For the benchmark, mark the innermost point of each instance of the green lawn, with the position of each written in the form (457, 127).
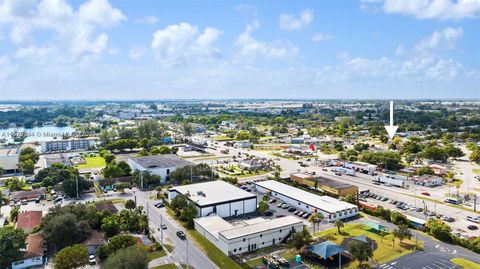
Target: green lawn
(221, 138)
(386, 250)
(476, 171)
(93, 162)
(156, 254)
(213, 253)
(165, 266)
(168, 247)
(464, 263)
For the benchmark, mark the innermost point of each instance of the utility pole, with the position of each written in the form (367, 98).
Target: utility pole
(76, 183)
(148, 210)
(161, 226)
(186, 242)
(141, 180)
(191, 174)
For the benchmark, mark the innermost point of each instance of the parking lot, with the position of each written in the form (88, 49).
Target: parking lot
(425, 261)
(277, 207)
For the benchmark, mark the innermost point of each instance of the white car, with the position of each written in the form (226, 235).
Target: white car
(91, 259)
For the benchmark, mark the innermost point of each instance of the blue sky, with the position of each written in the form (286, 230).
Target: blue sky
(100, 49)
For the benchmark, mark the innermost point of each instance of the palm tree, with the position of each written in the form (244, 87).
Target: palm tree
(339, 224)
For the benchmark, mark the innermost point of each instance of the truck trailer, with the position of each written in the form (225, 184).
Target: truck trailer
(394, 180)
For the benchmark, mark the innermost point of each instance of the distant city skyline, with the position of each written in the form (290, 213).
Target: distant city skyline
(154, 50)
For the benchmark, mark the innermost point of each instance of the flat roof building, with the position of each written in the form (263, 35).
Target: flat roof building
(161, 165)
(9, 159)
(217, 197)
(248, 235)
(326, 184)
(331, 208)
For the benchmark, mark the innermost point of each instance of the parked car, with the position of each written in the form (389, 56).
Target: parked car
(426, 193)
(472, 227)
(292, 209)
(447, 219)
(285, 206)
(92, 260)
(269, 213)
(279, 204)
(181, 235)
(159, 204)
(473, 219)
(273, 201)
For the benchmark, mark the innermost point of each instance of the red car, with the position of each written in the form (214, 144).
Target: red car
(426, 193)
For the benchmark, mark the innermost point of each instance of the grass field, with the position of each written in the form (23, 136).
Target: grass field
(464, 263)
(221, 138)
(386, 250)
(168, 266)
(476, 171)
(213, 253)
(93, 162)
(156, 254)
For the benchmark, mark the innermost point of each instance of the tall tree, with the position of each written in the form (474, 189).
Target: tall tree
(360, 251)
(339, 224)
(75, 256)
(11, 241)
(131, 258)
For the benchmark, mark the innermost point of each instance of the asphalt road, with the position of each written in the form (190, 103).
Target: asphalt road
(195, 257)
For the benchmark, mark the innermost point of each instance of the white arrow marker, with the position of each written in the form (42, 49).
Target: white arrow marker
(391, 129)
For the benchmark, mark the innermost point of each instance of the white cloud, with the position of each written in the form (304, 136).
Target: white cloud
(184, 43)
(444, 39)
(147, 20)
(320, 37)
(6, 67)
(290, 22)
(424, 61)
(34, 52)
(427, 9)
(100, 12)
(250, 48)
(77, 31)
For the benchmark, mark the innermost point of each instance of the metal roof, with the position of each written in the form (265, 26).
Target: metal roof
(160, 161)
(261, 226)
(213, 192)
(324, 203)
(326, 249)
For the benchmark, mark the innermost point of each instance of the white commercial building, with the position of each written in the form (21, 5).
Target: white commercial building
(161, 165)
(248, 235)
(331, 208)
(9, 159)
(67, 145)
(217, 198)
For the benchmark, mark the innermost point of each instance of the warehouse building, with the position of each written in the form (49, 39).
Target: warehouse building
(331, 208)
(161, 165)
(217, 198)
(326, 184)
(248, 235)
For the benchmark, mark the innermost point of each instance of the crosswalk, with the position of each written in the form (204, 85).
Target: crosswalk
(437, 264)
